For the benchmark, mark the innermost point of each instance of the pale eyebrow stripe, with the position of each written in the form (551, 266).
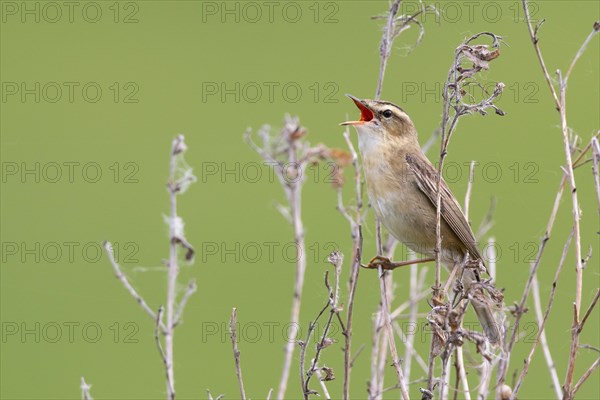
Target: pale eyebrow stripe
(393, 105)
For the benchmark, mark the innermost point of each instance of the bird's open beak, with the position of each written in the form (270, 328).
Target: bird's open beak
(366, 114)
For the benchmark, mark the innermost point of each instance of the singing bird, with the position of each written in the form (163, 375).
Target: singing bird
(402, 189)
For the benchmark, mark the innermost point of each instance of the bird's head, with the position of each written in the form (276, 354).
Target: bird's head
(378, 116)
(382, 122)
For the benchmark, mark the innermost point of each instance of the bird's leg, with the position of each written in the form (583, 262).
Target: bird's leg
(388, 265)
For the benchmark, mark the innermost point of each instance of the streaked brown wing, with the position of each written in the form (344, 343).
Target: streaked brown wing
(426, 177)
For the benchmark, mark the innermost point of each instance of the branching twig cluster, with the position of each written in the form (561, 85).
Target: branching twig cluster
(573, 161)
(180, 177)
(289, 155)
(445, 319)
(324, 373)
(85, 390)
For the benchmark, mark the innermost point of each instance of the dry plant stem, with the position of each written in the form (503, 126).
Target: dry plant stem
(462, 373)
(294, 199)
(385, 47)
(488, 368)
(356, 230)
(562, 108)
(452, 101)
(589, 310)
(381, 362)
(595, 167)
(444, 379)
(503, 366)
(210, 397)
(585, 376)
(574, 198)
(469, 189)
(411, 351)
(505, 361)
(541, 320)
(161, 352)
(85, 390)
(358, 353)
(544, 341)
(292, 189)
(459, 360)
(414, 307)
(384, 51)
(303, 344)
(336, 259)
(389, 34)
(380, 337)
(121, 276)
(430, 372)
(173, 269)
(175, 186)
(236, 352)
(432, 140)
(377, 347)
(190, 290)
(323, 386)
(394, 352)
(387, 320)
(320, 346)
(534, 40)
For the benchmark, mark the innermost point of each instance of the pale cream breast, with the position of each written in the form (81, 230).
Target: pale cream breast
(399, 204)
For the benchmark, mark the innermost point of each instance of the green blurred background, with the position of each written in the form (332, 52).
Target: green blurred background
(155, 63)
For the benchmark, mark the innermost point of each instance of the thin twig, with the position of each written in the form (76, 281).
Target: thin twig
(323, 385)
(454, 107)
(311, 327)
(387, 322)
(236, 352)
(535, 40)
(190, 290)
(560, 102)
(356, 231)
(121, 276)
(542, 246)
(290, 150)
(85, 390)
(336, 259)
(596, 168)
(412, 351)
(210, 397)
(519, 310)
(432, 140)
(161, 351)
(459, 361)
(585, 376)
(589, 310)
(175, 238)
(385, 47)
(595, 30)
(415, 288)
(541, 335)
(180, 177)
(384, 53)
(469, 188)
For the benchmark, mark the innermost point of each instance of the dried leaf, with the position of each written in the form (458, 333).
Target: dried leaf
(329, 375)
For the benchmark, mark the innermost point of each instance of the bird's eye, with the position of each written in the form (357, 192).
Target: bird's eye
(387, 113)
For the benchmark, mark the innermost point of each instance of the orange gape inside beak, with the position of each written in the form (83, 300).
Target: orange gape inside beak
(366, 115)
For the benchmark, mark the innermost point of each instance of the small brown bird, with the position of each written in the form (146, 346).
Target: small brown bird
(402, 188)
